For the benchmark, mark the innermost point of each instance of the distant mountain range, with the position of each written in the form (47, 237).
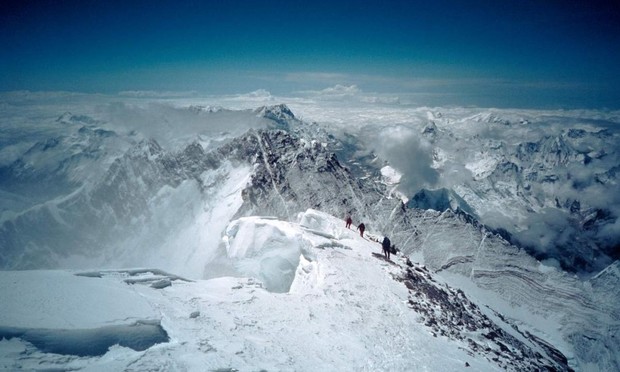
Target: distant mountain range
(95, 197)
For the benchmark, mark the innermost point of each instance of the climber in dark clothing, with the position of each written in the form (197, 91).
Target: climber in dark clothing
(386, 244)
(349, 222)
(361, 228)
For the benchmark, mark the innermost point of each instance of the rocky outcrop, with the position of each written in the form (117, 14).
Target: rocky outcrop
(449, 313)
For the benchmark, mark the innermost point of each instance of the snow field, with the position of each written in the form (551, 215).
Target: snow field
(342, 310)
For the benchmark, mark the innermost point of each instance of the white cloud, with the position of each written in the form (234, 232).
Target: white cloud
(338, 89)
(157, 94)
(257, 95)
(336, 92)
(323, 78)
(408, 153)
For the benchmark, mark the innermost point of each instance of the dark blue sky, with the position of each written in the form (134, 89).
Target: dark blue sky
(498, 53)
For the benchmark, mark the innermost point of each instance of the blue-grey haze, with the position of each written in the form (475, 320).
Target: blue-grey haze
(485, 53)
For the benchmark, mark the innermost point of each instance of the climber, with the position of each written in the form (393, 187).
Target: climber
(386, 244)
(349, 222)
(361, 228)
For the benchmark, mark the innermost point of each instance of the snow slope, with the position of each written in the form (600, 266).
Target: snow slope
(341, 308)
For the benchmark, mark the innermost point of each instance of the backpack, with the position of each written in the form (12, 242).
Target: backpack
(386, 243)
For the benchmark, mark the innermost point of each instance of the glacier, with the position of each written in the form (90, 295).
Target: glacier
(224, 198)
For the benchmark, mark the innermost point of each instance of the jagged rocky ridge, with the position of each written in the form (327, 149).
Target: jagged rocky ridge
(449, 313)
(455, 243)
(289, 174)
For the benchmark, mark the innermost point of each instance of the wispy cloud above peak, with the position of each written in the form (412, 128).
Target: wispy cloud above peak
(335, 91)
(342, 89)
(323, 78)
(157, 94)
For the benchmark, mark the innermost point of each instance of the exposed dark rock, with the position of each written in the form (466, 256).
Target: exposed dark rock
(448, 312)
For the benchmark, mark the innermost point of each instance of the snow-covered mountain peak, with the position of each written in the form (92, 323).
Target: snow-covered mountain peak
(69, 118)
(149, 148)
(199, 109)
(440, 200)
(539, 178)
(278, 113)
(430, 129)
(490, 117)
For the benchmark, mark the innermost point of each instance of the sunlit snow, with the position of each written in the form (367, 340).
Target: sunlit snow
(343, 310)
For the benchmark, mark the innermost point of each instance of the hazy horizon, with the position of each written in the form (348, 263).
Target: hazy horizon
(508, 55)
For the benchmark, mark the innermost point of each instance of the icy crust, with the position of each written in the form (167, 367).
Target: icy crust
(271, 250)
(315, 221)
(268, 250)
(46, 299)
(89, 342)
(346, 309)
(59, 313)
